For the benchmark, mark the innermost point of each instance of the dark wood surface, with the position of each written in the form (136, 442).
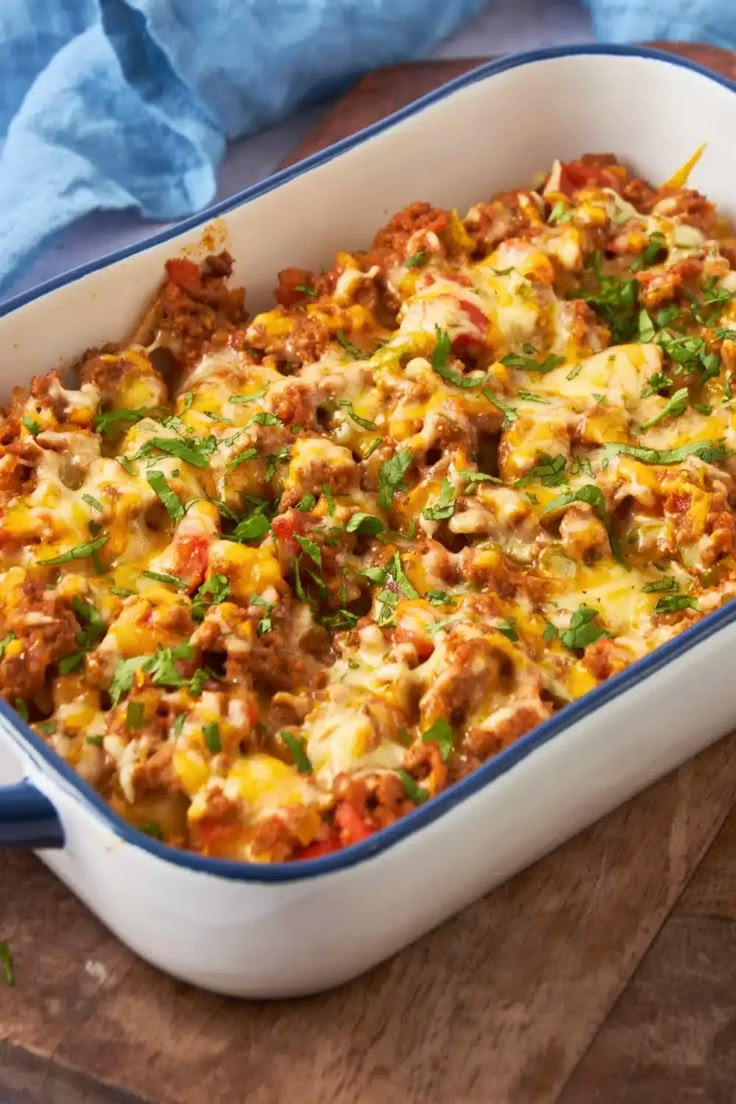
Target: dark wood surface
(604, 973)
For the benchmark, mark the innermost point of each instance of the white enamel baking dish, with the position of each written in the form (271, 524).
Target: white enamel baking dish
(281, 930)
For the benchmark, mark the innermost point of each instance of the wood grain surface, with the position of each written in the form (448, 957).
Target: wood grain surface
(604, 973)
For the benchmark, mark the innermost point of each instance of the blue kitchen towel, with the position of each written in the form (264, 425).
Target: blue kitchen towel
(110, 104)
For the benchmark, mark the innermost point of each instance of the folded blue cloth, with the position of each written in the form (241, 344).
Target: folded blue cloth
(110, 104)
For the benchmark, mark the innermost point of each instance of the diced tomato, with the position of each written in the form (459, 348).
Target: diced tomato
(574, 175)
(183, 273)
(352, 828)
(319, 848)
(475, 314)
(192, 557)
(284, 526)
(292, 282)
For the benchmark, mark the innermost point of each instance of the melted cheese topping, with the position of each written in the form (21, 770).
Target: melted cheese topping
(383, 530)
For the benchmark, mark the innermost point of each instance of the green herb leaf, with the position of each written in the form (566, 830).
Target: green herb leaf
(172, 503)
(656, 383)
(414, 791)
(445, 504)
(372, 447)
(416, 259)
(162, 577)
(79, 552)
(559, 213)
(241, 400)
(304, 289)
(264, 418)
(674, 602)
(93, 502)
(5, 641)
(508, 629)
(110, 421)
(213, 591)
(593, 496)
(551, 632)
(195, 451)
(615, 301)
(391, 477)
(311, 549)
(152, 830)
(297, 747)
(71, 663)
(710, 452)
(646, 327)
(211, 733)
(21, 709)
(655, 245)
(307, 503)
(549, 471)
(122, 592)
(529, 364)
(667, 582)
(509, 414)
(475, 477)
(441, 367)
(32, 426)
(531, 397)
(355, 352)
(364, 423)
(161, 666)
(582, 630)
(673, 408)
(440, 598)
(440, 733)
(367, 524)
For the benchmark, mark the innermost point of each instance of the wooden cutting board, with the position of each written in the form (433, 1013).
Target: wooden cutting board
(604, 973)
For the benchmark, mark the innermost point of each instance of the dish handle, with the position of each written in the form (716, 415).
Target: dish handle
(27, 818)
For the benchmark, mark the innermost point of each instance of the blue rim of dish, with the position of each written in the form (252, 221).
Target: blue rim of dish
(577, 711)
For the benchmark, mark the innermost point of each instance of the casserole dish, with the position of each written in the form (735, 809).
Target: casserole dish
(293, 928)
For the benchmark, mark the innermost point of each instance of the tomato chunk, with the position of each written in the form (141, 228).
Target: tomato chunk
(183, 273)
(352, 828)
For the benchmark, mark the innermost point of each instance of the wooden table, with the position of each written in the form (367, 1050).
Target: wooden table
(604, 973)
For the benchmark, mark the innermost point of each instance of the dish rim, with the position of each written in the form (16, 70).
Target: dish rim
(582, 708)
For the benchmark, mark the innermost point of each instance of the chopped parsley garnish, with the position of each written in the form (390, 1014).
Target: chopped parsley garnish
(21, 709)
(551, 632)
(122, 592)
(667, 582)
(440, 733)
(674, 602)
(297, 748)
(264, 418)
(509, 414)
(673, 408)
(367, 524)
(655, 245)
(161, 666)
(79, 552)
(213, 591)
(32, 426)
(110, 421)
(308, 502)
(265, 624)
(445, 504)
(134, 716)
(6, 961)
(372, 447)
(172, 503)
(274, 458)
(341, 619)
(254, 395)
(616, 301)
(364, 423)
(710, 452)
(5, 641)
(152, 830)
(195, 450)
(391, 477)
(647, 331)
(508, 629)
(559, 213)
(414, 791)
(70, 663)
(549, 471)
(575, 371)
(355, 352)
(529, 364)
(329, 496)
(442, 368)
(656, 383)
(593, 496)
(311, 549)
(93, 502)
(242, 458)
(163, 577)
(530, 396)
(92, 621)
(440, 598)
(475, 477)
(583, 630)
(253, 527)
(416, 259)
(211, 733)
(305, 290)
